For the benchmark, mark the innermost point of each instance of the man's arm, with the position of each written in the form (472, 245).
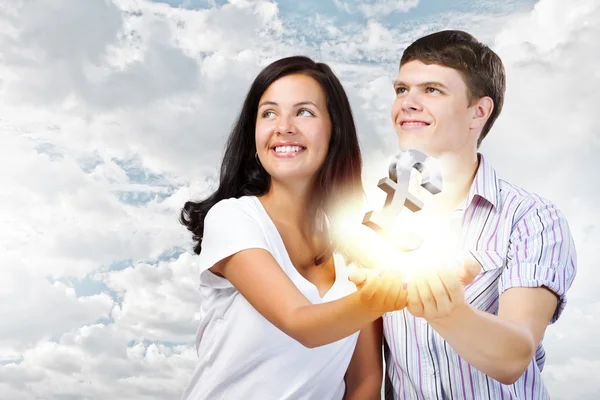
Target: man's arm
(365, 372)
(540, 269)
(501, 346)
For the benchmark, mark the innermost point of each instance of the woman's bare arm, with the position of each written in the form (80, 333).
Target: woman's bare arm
(258, 277)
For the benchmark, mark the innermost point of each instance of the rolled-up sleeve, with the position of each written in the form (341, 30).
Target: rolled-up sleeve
(541, 253)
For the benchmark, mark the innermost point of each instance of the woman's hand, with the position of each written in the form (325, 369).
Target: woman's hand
(380, 290)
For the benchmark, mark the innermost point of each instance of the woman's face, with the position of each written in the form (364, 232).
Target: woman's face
(293, 128)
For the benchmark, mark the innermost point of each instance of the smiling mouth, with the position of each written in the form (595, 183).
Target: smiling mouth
(288, 150)
(414, 124)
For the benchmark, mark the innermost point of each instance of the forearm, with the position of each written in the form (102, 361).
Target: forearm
(320, 324)
(501, 349)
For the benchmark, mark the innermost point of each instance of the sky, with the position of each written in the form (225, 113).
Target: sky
(113, 113)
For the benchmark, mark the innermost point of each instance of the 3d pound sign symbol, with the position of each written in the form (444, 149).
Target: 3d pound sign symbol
(397, 188)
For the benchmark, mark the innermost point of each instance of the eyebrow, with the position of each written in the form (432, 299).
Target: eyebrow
(398, 83)
(302, 103)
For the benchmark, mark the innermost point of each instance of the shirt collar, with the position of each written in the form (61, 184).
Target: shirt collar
(485, 184)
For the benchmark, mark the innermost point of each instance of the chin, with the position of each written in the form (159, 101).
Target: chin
(412, 143)
(291, 176)
(425, 148)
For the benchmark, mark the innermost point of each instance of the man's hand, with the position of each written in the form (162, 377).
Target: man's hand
(380, 290)
(438, 292)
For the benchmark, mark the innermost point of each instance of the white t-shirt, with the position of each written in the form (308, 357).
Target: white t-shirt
(241, 354)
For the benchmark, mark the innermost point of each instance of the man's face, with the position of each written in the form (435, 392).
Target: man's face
(431, 112)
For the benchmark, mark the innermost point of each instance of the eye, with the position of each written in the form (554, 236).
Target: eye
(305, 112)
(432, 90)
(268, 114)
(400, 90)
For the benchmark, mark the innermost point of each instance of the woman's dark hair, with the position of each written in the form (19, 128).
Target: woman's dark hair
(339, 178)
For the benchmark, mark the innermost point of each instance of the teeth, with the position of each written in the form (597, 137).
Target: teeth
(413, 123)
(287, 149)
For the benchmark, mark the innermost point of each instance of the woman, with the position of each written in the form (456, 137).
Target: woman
(279, 318)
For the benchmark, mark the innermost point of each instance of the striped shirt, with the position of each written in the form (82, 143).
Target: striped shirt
(521, 240)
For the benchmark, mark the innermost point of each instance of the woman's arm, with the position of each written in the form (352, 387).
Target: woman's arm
(365, 372)
(258, 277)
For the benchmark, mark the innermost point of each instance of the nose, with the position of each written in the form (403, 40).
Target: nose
(285, 125)
(411, 102)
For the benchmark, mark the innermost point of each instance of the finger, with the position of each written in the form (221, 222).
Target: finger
(427, 299)
(380, 295)
(440, 296)
(453, 286)
(414, 303)
(371, 286)
(394, 291)
(357, 276)
(396, 296)
(401, 299)
(469, 271)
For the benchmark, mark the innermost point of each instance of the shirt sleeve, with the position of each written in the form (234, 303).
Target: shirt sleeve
(541, 253)
(229, 227)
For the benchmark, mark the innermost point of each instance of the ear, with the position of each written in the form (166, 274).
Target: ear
(482, 109)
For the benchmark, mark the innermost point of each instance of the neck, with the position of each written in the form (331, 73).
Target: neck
(458, 173)
(291, 204)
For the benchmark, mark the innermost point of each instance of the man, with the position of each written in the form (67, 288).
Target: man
(482, 340)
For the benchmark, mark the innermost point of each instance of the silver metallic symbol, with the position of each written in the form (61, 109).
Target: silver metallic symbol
(397, 188)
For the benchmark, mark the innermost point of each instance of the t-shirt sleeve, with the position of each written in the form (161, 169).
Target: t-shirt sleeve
(541, 253)
(229, 227)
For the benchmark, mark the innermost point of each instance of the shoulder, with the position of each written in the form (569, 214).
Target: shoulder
(244, 207)
(523, 204)
(234, 221)
(231, 225)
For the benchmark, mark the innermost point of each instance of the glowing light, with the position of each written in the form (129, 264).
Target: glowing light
(390, 249)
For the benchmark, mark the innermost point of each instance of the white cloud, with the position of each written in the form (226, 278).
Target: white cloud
(50, 56)
(97, 362)
(158, 301)
(375, 8)
(73, 218)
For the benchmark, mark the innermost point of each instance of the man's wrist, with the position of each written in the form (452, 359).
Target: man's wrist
(455, 319)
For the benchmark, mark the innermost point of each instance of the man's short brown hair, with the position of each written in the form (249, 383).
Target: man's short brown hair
(481, 68)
